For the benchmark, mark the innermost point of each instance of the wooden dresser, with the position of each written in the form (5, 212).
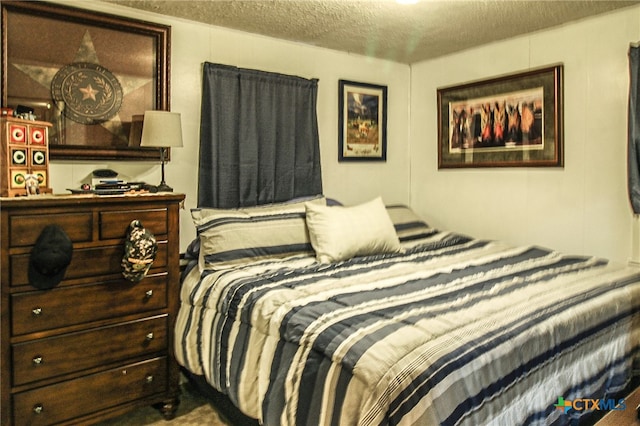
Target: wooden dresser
(95, 345)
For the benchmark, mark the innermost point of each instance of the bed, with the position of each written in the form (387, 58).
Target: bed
(307, 314)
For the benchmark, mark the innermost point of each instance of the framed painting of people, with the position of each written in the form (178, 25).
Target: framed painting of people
(508, 121)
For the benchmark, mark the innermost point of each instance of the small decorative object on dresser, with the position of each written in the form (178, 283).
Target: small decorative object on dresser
(24, 157)
(92, 345)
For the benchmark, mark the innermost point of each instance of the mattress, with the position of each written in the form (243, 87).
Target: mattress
(453, 330)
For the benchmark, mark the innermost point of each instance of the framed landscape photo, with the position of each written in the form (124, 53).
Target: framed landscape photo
(509, 121)
(362, 132)
(91, 75)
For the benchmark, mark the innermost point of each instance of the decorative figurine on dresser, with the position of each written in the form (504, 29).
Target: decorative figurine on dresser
(24, 158)
(88, 307)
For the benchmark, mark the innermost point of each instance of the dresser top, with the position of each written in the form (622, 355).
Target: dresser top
(52, 200)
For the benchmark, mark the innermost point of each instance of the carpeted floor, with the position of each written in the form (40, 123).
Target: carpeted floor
(194, 410)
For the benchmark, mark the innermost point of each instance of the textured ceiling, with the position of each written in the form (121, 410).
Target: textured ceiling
(384, 28)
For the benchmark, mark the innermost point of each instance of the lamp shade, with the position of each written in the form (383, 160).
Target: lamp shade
(161, 129)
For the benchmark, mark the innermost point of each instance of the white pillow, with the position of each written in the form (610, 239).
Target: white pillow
(339, 233)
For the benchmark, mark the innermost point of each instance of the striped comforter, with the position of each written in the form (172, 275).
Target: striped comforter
(453, 331)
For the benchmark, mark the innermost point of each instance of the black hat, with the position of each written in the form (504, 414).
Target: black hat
(50, 257)
(140, 249)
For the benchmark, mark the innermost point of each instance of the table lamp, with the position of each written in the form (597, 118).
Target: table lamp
(162, 129)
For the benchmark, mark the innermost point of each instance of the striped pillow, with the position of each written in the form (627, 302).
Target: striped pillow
(231, 237)
(409, 226)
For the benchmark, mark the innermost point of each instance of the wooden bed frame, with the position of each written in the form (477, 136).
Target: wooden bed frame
(629, 416)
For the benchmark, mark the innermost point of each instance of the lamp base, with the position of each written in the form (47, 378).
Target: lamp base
(163, 187)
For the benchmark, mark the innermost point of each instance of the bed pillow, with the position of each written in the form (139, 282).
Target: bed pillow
(340, 233)
(229, 237)
(409, 226)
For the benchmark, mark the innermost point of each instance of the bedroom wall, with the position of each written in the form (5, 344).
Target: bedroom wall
(194, 43)
(582, 208)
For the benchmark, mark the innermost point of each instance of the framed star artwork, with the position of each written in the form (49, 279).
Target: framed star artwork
(91, 75)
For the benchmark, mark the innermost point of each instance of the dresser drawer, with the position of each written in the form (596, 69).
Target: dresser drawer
(56, 356)
(67, 400)
(48, 309)
(83, 263)
(24, 230)
(114, 224)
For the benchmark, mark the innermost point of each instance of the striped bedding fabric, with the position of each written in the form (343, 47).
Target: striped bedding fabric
(455, 330)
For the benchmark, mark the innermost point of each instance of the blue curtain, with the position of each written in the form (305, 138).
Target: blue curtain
(258, 138)
(634, 128)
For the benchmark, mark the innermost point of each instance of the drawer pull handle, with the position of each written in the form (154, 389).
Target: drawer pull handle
(36, 312)
(149, 336)
(148, 294)
(37, 360)
(38, 408)
(149, 378)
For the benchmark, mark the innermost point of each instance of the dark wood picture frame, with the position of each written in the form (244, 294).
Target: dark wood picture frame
(509, 121)
(45, 43)
(362, 131)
